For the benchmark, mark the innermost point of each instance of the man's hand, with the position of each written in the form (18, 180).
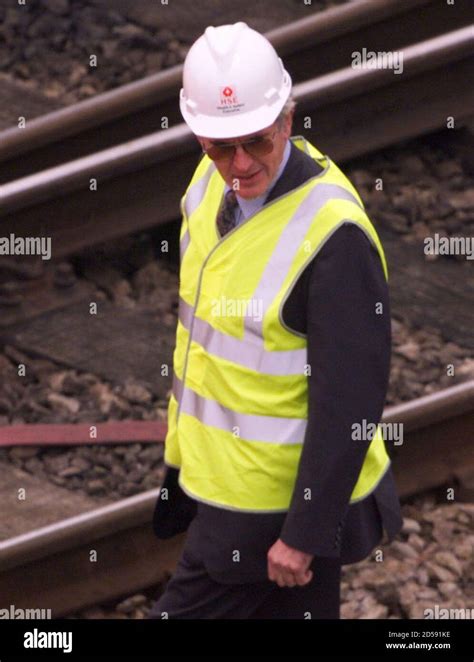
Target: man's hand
(288, 566)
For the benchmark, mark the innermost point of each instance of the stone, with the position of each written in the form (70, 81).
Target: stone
(388, 595)
(439, 573)
(464, 200)
(404, 549)
(449, 561)
(448, 589)
(87, 90)
(99, 471)
(24, 452)
(150, 482)
(77, 73)
(108, 400)
(95, 486)
(152, 452)
(409, 350)
(422, 576)
(443, 533)
(415, 541)
(128, 489)
(80, 463)
(126, 606)
(349, 610)
(71, 405)
(466, 369)
(58, 480)
(137, 474)
(55, 463)
(407, 593)
(56, 380)
(136, 393)
(118, 471)
(70, 471)
(410, 526)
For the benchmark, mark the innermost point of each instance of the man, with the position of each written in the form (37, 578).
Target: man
(283, 349)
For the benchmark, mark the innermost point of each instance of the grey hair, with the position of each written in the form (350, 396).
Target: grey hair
(290, 105)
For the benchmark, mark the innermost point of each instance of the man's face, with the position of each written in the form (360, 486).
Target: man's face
(248, 175)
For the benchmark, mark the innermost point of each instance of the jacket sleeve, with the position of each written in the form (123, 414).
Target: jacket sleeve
(349, 355)
(174, 510)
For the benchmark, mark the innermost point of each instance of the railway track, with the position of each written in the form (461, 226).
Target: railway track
(141, 172)
(52, 566)
(312, 47)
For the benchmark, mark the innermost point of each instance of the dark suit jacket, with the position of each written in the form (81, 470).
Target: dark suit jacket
(333, 303)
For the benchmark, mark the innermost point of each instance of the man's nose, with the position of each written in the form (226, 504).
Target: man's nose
(242, 159)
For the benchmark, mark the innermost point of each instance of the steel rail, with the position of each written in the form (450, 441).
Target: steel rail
(418, 58)
(51, 568)
(113, 162)
(138, 108)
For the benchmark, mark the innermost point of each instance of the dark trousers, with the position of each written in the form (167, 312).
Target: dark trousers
(192, 593)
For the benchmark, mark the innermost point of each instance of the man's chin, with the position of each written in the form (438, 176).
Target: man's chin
(248, 192)
(252, 187)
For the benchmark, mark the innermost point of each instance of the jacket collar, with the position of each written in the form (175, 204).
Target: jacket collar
(299, 168)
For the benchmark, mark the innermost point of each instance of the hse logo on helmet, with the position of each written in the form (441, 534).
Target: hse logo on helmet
(228, 101)
(227, 92)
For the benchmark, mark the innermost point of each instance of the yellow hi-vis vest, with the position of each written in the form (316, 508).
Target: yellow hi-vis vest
(238, 411)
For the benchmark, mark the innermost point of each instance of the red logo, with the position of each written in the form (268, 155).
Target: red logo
(228, 96)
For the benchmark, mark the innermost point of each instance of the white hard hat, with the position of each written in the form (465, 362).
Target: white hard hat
(234, 83)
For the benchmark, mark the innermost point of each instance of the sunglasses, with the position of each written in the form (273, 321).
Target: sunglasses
(258, 146)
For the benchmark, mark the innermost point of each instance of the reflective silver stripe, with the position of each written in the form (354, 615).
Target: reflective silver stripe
(243, 352)
(250, 354)
(177, 388)
(183, 244)
(289, 242)
(196, 193)
(185, 313)
(271, 429)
